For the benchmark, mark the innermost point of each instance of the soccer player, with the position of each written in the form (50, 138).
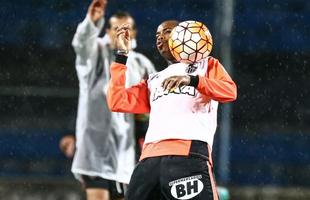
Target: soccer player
(182, 100)
(104, 158)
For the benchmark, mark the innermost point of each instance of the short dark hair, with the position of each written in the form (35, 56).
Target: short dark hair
(120, 15)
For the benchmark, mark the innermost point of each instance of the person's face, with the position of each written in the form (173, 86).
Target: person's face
(116, 22)
(162, 37)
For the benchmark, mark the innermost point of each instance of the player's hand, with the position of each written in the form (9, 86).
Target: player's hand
(123, 37)
(67, 145)
(96, 9)
(175, 82)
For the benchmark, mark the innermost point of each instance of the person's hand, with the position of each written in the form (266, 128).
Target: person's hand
(123, 40)
(175, 82)
(67, 145)
(96, 10)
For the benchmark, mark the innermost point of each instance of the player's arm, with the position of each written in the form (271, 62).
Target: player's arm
(134, 99)
(120, 99)
(84, 40)
(217, 84)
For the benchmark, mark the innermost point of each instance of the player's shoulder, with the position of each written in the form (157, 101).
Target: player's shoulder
(212, 60)
(207, 62)
(156, 74)
(153, 76)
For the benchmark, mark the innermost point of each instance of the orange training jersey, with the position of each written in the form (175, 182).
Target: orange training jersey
(179, 115)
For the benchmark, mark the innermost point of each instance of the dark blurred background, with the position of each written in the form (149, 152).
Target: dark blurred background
(270, 138)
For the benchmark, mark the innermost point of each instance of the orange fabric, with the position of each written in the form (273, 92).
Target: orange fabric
(210, 155)
(166, 147)
(134, 99)
(213, 183)
(217, 84)
(211, 174)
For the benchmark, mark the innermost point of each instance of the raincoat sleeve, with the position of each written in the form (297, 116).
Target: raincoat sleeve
(217, 84)
(85, 39)
(149, 66)
(134, 99)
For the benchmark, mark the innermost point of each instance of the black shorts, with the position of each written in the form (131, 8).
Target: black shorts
(116, 189)
(175, 177)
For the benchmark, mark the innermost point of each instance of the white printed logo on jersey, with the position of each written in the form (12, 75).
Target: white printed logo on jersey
(188, 90)
(187, 187)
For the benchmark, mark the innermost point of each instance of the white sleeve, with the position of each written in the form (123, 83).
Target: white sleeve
(85, 38)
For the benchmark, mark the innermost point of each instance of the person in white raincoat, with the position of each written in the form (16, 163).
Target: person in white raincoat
(105, 156)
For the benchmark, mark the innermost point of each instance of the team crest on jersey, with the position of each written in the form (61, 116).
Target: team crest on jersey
(191, 68)
(188, 90)
(187, 187)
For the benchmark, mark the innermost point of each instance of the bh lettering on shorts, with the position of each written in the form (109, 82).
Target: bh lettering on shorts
(187, 187)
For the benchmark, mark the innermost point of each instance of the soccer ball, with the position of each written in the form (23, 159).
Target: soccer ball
(190, 42)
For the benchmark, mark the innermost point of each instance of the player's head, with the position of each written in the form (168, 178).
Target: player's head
(118, 19)
(162, 37)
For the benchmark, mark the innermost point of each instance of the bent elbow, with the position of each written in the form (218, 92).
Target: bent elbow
(113, 105)
(110, 103)
(231, 94)
(234, 95)
(113, 109)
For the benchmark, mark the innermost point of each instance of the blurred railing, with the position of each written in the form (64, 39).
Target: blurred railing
(269, 193)
(40, 189)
